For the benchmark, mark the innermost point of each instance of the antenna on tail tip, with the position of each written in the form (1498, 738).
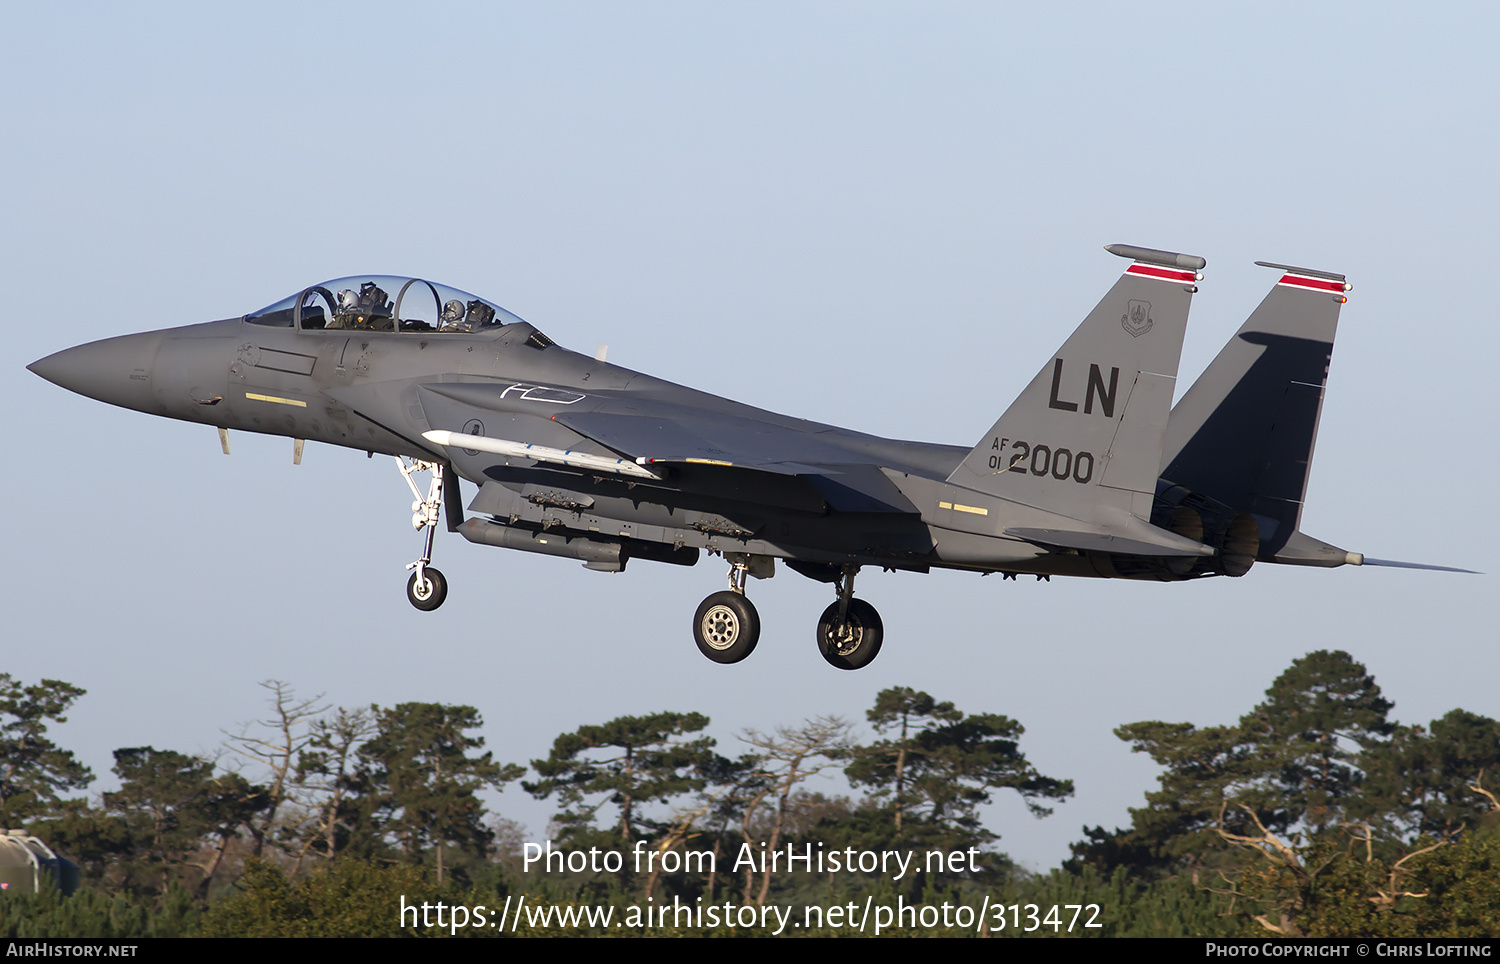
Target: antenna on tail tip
(1170, 259)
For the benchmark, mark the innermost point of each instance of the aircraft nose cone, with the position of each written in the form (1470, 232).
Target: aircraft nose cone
(115, 370)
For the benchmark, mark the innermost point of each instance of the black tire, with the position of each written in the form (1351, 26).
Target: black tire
(861, 642)
(726, 627)
(431, 594)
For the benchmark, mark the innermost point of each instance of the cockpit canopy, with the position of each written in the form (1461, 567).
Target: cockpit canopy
(383, 303)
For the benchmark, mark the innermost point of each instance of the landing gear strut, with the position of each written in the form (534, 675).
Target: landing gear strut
(849, 631)
(427, 588)
(726, 626)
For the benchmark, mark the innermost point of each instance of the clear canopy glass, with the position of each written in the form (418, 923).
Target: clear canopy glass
(383, 303)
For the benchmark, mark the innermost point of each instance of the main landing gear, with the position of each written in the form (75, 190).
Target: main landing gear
(427, 587)
(726, 626)
(849, 631)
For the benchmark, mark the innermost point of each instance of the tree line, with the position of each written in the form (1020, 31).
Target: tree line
(1316, 813)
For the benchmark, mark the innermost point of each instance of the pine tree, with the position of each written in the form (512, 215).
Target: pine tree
(420, 783)
(1294, 762)
(1432, 779)
(940, 765)
(170, 802)
(33, 770)
(1308, 736)
(629, 762)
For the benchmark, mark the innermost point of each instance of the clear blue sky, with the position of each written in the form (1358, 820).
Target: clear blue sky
(879, 215)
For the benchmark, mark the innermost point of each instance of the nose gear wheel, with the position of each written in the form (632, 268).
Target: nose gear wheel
(427, 590)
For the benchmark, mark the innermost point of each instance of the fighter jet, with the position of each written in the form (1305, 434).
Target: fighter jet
(1089, 472)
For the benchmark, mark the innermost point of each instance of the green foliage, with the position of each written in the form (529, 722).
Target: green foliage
(419, 782)
(169, 825)
(1303, 818)
(97, 841)
(94, 913)
(1307, 736)
(32, 769)
(1295, 761)
(1328, 888)
(1461, 884)
(628, 762)
(1429, 780)
(171, 804)
(348, 898)
(942, 764)
(1176, 830)
(1129, 906)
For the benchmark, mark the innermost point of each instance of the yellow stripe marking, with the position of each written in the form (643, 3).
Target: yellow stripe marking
(274, 398)
(708, 462)
(957, 507)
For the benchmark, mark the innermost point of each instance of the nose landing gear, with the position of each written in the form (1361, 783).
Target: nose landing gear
(427, 587)
(850, 631)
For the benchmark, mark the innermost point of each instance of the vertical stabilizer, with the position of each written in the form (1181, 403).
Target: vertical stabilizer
(1087, 432)
(1243, 435)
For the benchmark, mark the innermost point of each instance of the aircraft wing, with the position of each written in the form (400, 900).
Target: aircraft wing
(717, 440)
(654, 432)
(732, 441)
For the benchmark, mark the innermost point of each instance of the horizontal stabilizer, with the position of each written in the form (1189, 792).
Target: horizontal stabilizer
(1302, 549)
(1393, 564)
